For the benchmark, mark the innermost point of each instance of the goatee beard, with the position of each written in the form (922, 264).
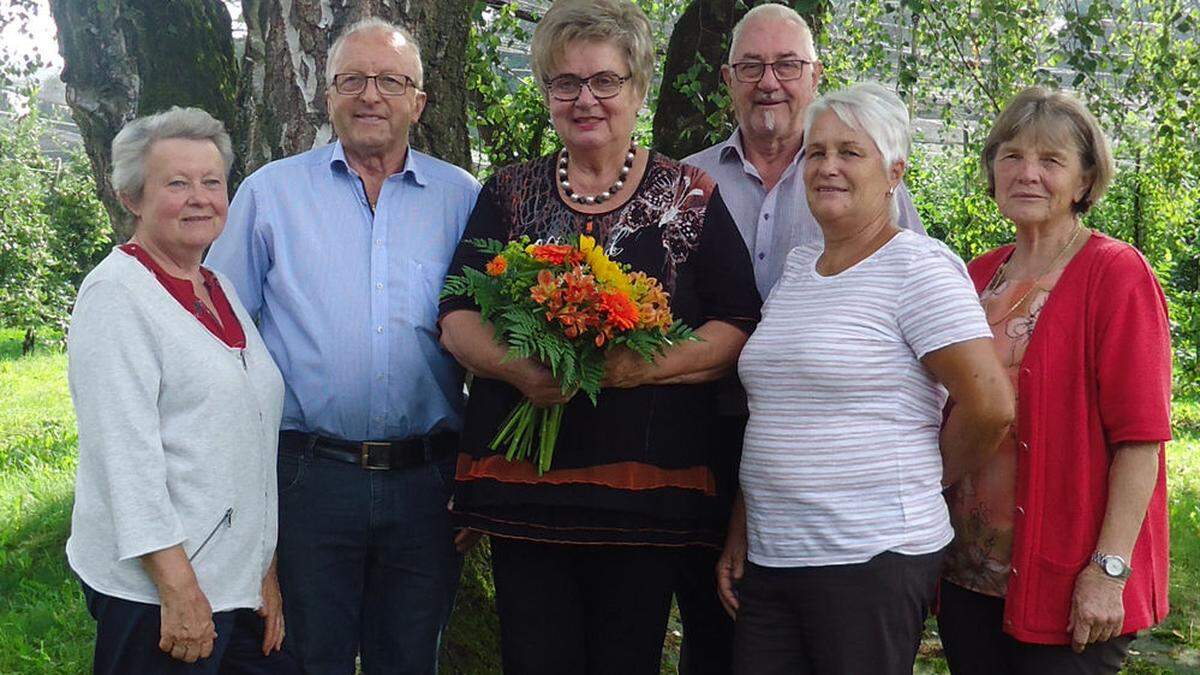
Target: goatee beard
(769, 120)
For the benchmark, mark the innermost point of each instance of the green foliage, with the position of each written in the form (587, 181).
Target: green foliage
(53, 229)
(1135, 64)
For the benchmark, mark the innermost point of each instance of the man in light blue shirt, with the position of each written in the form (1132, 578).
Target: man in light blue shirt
(772, 77)
(340, 253)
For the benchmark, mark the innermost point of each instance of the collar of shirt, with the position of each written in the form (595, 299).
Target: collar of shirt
(413, 168)
(733, 150)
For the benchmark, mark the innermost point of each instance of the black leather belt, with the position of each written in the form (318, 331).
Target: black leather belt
(376, 455)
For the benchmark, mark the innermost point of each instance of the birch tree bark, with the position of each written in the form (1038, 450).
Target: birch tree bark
(125, 58)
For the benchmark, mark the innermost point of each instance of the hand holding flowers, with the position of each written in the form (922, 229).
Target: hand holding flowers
(581, 318)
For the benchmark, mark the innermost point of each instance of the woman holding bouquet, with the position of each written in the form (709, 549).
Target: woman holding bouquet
(586, 549)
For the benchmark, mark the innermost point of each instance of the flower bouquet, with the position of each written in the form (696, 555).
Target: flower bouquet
(564, 305)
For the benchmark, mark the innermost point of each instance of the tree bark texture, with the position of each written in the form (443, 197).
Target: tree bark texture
(699, 44)
(282, 100)
(125, 58)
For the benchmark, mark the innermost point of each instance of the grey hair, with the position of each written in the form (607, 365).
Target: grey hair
(771, 10)
(131, 144)
(878, 112)
(372, 24)
(617, 21)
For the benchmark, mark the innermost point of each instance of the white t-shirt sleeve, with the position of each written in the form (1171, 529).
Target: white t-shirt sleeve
(938, 306)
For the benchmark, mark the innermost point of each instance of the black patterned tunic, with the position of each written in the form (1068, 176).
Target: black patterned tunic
(638, 468)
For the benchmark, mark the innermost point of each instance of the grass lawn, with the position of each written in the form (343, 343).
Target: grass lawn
(44, 627)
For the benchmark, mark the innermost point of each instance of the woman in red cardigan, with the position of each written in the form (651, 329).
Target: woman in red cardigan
(1060, 550)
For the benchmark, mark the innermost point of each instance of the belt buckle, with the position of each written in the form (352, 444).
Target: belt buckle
(364, 456)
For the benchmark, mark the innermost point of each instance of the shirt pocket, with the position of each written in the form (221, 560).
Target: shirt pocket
(425, 279)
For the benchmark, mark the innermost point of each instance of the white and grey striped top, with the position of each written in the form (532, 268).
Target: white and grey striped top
(841, 458)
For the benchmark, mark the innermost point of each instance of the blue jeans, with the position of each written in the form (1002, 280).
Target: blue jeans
(127, 635)
(366, 563)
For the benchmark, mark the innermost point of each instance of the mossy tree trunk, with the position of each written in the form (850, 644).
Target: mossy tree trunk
(688, 117)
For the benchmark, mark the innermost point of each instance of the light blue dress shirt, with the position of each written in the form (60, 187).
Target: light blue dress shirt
(346, 299)
(775, 222)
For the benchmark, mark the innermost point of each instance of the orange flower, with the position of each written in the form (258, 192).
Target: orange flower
(497, 266)
(622, 312)
(557, 254)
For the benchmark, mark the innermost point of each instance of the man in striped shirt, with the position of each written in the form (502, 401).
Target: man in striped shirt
(772, 76)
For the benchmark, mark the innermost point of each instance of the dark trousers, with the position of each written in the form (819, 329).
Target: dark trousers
(836, 619)
(127, 635)
(707, 646)
(971, 627)
(582, 610)
(366, 564)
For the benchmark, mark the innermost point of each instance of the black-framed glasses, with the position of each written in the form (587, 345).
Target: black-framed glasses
(784, 69)
(352, 84)
(605, 84)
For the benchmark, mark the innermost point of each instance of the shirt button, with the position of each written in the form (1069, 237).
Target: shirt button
(379, 287)
(379, 329)
(1014, 571)
(762, 255)
(766, 216)
(379, 242)
(1020, 511)
(1024, 446)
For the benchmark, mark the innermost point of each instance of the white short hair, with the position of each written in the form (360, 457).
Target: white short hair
(372, 24)
(130, 145)
(771, 11)
(878, 112)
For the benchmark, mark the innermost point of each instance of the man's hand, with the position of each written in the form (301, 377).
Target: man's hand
(1097, 608)
(271, 612)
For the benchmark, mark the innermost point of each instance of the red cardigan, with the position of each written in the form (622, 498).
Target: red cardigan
(1097, 372)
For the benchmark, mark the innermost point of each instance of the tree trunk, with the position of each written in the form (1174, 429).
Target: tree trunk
(282, 98)
(125, 58)
(689, 118)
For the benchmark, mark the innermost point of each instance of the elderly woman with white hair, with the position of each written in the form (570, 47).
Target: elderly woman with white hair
(834, 549)
(178, 402)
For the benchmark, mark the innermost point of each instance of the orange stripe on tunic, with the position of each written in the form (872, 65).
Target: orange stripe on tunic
(620, 475)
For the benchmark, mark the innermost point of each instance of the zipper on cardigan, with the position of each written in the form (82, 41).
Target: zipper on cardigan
(225, 521)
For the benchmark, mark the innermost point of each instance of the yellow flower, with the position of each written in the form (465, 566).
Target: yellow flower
(605, 270)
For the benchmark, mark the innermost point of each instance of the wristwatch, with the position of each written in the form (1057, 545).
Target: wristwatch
(1112, 565)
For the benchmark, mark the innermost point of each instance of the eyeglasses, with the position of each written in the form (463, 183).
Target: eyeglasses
(605, 84)
(352, 84)
(753, 71)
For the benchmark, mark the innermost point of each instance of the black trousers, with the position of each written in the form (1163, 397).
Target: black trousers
(836, 619)
(971, 626)
(583, 610)
(707, 646)
(127, 635)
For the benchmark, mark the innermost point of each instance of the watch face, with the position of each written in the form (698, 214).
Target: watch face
(1113, 567)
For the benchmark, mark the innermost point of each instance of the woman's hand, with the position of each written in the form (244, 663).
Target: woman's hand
(1097, 608)
(186, 626)
(538, 385)
(271, 612)
(187, 632)
(732, 563)
(465, 540)
(624, 369)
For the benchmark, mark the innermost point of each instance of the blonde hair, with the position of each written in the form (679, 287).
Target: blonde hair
(1051, 115)
(617, 21)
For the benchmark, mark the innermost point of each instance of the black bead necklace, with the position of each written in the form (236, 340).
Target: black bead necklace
(563, 160)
